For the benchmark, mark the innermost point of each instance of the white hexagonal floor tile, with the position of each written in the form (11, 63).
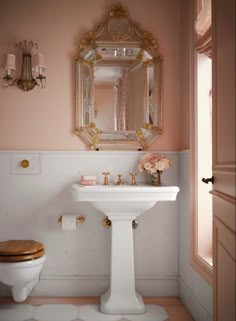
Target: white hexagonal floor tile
(153, 313)
(91, 312)
(16, 312)
(58, 312)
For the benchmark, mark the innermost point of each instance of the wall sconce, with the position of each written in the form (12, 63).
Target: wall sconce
(30, 63)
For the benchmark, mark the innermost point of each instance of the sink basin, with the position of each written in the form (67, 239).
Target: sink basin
(122, 204)
(115, 200)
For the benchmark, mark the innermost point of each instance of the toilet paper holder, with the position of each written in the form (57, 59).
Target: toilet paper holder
(79, 219)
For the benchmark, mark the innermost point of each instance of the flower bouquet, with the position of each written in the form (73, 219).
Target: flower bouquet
(154, 164)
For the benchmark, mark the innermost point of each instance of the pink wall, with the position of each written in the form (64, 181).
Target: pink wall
(45, 119)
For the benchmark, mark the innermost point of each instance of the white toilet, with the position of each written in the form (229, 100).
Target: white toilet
(20, 265)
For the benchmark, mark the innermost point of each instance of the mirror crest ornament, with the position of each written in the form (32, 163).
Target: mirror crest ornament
(121, 60)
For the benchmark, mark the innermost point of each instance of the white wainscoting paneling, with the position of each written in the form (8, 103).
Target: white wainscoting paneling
(78, 262)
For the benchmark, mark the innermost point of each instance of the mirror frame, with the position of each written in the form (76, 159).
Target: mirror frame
(119, 31)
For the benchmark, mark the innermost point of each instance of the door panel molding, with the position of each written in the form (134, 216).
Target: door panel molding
(223, 99)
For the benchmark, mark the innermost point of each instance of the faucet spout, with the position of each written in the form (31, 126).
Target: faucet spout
(106, 182)
(120, 180)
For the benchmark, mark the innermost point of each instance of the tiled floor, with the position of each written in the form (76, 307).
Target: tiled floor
(69, 312)
(87, 309)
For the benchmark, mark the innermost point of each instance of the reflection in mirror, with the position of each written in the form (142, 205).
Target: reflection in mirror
(118, 97)
(118, 85)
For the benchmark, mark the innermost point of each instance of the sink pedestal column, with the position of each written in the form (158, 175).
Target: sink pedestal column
(121, 298)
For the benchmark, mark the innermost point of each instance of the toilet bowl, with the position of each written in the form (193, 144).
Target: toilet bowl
(20, 265)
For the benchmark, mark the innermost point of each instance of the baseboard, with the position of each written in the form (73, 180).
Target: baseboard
(173, 301)
(81, 286)
(197, 310)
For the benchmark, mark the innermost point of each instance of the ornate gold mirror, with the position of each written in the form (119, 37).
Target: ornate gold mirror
(118, 85)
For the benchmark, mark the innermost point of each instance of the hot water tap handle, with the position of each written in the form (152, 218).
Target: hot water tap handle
(106, 182)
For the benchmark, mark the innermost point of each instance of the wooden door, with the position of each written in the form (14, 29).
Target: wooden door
(223, 59)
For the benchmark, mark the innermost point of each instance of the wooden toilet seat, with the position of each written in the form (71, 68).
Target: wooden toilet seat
(20, 250)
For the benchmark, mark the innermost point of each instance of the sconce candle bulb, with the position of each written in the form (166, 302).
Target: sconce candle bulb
(10, 65)
(39, 67)
(26, 81)
(10, 62)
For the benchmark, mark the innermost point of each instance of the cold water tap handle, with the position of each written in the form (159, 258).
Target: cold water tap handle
(133, 180)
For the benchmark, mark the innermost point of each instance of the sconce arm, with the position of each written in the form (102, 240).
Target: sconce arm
(8, 81)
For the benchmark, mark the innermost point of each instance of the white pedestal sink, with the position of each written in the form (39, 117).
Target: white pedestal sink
(122, 204)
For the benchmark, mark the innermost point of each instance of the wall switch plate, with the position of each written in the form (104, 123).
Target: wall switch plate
(26, 163)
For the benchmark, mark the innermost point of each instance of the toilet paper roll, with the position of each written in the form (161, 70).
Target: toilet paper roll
(68, 222)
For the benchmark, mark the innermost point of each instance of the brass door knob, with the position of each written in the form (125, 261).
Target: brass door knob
(24, 163)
